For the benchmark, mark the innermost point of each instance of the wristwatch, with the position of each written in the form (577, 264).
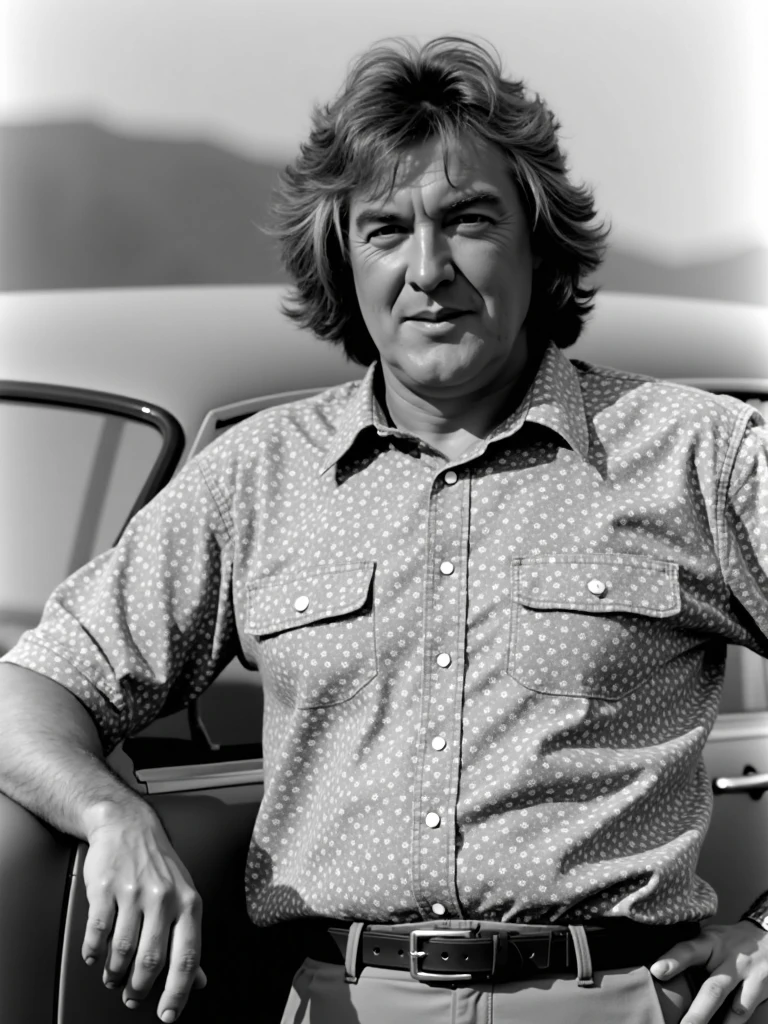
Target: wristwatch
(758, 912)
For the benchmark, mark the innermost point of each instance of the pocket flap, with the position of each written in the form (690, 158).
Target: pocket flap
(291, 600)
(599, 583)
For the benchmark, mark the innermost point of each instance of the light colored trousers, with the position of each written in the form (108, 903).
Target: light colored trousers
(632, 996)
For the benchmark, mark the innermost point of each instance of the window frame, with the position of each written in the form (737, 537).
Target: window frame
(84, 400)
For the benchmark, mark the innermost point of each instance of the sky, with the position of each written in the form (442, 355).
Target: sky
(663, 103)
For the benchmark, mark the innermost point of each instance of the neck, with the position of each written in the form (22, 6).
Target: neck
(452, 424)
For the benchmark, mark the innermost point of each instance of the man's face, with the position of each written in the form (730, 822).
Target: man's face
(442, 268)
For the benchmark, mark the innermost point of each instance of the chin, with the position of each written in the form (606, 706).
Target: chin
(445, 375)
(444, 360)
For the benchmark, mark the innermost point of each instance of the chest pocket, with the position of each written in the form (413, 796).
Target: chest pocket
(315, 631)
(588, 625)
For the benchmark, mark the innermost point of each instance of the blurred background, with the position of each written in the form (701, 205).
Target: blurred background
(140, 139)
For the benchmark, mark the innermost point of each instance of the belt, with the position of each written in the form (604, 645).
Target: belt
(485, 951)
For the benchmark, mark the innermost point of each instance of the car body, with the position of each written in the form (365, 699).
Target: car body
(160, 373)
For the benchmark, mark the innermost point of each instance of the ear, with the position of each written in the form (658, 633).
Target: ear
(536, 262)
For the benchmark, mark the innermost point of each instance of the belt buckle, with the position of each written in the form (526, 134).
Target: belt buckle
(532, 958)
(416, 954)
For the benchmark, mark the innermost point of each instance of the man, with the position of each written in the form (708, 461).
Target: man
(488, 592)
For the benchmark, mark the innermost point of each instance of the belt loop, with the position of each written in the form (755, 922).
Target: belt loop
(352, 958)
(583, 957)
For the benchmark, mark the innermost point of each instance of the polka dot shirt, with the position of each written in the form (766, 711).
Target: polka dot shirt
(488, 683)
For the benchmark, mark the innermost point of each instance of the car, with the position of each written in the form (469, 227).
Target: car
(104, 395)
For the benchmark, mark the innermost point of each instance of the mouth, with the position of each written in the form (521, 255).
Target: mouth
(440, 316)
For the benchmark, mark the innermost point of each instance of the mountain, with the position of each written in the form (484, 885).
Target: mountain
(82, 206)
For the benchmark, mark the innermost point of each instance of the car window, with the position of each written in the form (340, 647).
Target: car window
(70, 478)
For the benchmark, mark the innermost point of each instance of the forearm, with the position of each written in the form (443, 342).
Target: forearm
(51, 759)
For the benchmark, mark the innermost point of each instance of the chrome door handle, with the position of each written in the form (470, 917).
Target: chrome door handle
(751, 781)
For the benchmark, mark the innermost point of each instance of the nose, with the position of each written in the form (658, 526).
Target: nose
(430, 262)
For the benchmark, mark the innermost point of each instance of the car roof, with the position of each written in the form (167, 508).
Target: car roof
(678, 338)
(193, 349)
(187, 350)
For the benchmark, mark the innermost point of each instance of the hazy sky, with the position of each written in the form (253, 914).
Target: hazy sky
(664, 103)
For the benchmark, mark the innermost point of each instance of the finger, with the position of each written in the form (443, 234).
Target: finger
(710, 997)
(184, 962)
(151, 955)
(754, 989)
(98, 927)
(122, 947)
(681, 956)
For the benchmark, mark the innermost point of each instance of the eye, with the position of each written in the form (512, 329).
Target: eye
(472, 219)
(386, 231)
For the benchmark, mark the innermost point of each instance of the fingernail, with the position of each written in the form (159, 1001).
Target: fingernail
(132, 1004)
(168, 1016)
(90, 960)
(662, 968)
(110, 984)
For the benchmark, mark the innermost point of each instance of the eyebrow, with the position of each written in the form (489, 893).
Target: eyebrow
(376, 215)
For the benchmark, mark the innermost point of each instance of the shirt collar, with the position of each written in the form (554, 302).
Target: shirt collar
(362, 412)
(553, 400)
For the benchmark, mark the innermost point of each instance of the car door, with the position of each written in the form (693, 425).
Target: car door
(201, 770)
(75, 464)
(734, 859)
(208, 811)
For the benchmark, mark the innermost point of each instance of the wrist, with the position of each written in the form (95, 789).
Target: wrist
(110, 813)
(757, 912)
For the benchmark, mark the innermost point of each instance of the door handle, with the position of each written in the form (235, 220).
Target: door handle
(751, 781)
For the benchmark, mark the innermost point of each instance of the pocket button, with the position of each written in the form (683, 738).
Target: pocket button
(301, 603)
(597, 587)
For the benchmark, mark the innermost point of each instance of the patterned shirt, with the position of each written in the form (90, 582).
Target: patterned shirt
(488, 682)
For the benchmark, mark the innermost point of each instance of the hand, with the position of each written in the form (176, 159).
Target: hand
(736, 957)
(140, 897)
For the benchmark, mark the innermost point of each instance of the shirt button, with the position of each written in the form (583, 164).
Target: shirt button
(301, 603)
(438, 743)
(450, 478)
(444, 660)
(596, 587)
(446, 568)
(438, 909)
(432, 820)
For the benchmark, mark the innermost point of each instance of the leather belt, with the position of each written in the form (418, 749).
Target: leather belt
(486, 951)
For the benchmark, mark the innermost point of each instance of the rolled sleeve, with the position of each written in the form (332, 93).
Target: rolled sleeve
(746, 515)
(145, 627)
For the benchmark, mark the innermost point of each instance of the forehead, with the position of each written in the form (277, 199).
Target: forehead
(458, 166)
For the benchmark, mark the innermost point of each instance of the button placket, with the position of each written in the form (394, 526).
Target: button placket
(433, 851)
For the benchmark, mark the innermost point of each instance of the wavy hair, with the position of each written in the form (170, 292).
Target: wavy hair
(398, 95)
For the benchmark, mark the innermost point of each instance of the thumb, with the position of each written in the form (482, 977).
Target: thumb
(682, 956)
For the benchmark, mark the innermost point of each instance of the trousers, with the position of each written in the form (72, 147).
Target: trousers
(320, 995)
